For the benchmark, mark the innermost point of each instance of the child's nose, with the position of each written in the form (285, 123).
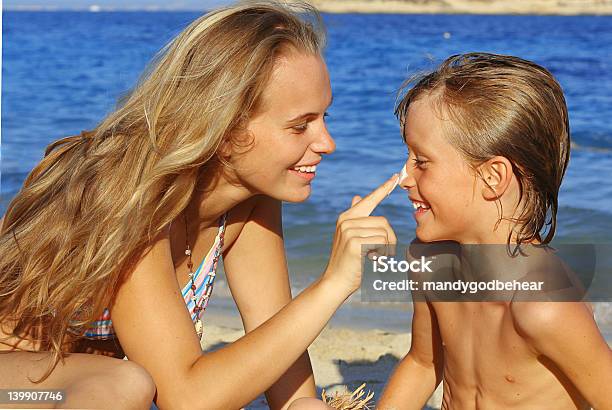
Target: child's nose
(406, 179)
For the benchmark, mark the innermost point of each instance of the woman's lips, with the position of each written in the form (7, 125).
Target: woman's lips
(306, 172)
(308, 176)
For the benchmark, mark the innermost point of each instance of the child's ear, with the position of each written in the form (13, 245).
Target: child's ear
(496, 173)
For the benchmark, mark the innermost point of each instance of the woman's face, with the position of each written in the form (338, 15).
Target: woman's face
(289, 135)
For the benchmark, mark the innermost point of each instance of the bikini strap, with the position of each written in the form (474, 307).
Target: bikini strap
(221, 233)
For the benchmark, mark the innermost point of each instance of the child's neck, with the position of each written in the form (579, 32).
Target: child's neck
(504, 232)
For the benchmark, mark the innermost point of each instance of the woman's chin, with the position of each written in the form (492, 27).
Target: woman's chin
(292, 194)
(300, 195)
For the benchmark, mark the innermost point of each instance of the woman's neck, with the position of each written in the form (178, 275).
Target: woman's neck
(215, 194)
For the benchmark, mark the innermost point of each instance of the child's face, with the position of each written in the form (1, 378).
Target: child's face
(440, 181)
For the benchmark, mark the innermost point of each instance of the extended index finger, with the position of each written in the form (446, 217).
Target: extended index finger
(371, 201)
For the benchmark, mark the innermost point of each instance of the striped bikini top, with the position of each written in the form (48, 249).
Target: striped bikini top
(203, 279)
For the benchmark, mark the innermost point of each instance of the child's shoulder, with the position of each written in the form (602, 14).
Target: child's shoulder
(539, 321)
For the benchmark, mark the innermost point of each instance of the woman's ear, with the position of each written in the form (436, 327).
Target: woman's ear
(496, 173)
(225, 149)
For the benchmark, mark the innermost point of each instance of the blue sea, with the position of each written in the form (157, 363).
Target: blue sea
(63, 71)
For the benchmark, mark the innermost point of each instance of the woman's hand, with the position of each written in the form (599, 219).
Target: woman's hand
(357, 231)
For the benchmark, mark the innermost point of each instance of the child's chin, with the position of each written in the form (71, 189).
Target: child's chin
(424, 236)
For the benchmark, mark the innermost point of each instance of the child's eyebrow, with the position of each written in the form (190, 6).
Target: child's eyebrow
(416, 147)
(414, 142)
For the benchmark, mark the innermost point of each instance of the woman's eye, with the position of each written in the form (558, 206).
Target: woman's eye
(301, 127)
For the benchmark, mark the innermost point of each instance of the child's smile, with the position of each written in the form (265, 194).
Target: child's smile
(420, 207)
(439, 181)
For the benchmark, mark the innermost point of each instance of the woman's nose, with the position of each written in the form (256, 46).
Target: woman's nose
(324, 143)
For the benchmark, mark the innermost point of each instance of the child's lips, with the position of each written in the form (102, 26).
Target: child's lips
(420, 212)
(420, 207)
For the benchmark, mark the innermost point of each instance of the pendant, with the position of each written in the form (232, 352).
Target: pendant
(199, 327)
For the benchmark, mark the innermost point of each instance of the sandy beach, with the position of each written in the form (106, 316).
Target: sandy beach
(341, 358)
(551, 7)
(362, 343)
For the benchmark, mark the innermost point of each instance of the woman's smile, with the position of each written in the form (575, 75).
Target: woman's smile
(306, 172)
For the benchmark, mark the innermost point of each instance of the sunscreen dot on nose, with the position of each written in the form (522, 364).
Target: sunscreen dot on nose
(403, 174)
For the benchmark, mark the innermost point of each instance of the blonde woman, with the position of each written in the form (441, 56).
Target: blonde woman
(112, 243)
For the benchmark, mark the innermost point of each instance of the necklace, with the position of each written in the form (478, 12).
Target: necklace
(207, 283)
(199, 326)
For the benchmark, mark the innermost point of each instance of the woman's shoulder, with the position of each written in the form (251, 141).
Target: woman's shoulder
(258, 209)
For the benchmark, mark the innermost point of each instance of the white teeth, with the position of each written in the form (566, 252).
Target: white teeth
(417, 205)
(312, 168)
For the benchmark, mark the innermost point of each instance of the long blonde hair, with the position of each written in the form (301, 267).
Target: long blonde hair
(89, 210)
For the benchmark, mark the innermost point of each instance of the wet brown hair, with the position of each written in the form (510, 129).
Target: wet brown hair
(507, 106)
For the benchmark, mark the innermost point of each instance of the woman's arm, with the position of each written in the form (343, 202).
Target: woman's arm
(155, 328)
(256, 271)
(156, 331)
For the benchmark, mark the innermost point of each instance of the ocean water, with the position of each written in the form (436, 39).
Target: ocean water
(62, 72)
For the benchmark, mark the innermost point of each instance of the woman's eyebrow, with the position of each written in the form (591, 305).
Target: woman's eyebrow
(309, 114)
(303, 117)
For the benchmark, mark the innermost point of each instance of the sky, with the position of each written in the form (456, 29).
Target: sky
(113, 4)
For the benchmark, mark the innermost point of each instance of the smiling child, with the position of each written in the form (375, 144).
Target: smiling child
(488, 140)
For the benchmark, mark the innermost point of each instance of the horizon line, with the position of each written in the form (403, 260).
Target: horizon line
(98, 9)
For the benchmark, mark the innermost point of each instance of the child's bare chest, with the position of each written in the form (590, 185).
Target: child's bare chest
(474, 333)
(486, 357)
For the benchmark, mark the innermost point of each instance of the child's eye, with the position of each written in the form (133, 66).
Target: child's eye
(325, 115)
(419, 163)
